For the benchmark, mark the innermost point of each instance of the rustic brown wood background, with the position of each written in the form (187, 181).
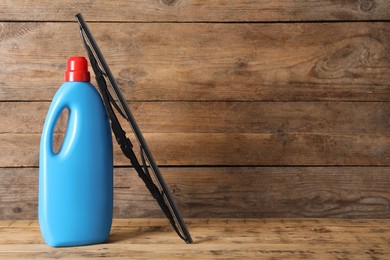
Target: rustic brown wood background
(252, 108)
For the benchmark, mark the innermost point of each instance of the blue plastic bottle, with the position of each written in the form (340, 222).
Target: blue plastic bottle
(76, 183)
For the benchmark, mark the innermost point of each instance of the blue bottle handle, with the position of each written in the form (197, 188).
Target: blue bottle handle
(56, 109)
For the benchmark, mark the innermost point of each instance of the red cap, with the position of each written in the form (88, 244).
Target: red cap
(77, 69)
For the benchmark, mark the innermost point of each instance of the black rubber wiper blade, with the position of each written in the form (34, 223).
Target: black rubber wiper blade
(159, 189)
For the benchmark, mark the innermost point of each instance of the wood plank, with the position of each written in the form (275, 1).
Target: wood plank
(124, 234)
(124, 231)
(129, 223)
(225, 117)
(220, 251)
(195, 11)
(252, 192)
(216, 239)
(219, 149)
(207, 61)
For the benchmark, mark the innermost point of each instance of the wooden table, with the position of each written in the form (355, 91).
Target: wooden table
(213, 238)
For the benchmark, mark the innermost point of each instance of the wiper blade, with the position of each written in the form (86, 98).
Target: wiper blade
(155, 183)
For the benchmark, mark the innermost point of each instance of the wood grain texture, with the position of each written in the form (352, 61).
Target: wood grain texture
(221, 149)
(228, 133)
(224, 117)
(196, 11)
(213, 239)
(203, 62)
(357, 192)
(259, 108)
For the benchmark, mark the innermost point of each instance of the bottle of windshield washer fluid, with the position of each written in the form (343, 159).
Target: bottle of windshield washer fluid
(76, 183)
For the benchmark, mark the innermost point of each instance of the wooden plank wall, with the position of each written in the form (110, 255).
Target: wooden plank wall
(252, 108)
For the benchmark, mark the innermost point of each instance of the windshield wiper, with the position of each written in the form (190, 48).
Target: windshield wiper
(155, 183)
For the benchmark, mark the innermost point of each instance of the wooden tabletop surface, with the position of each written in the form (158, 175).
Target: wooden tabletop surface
(213, 238)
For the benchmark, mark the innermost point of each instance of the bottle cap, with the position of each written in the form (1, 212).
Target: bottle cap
(77, 69)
